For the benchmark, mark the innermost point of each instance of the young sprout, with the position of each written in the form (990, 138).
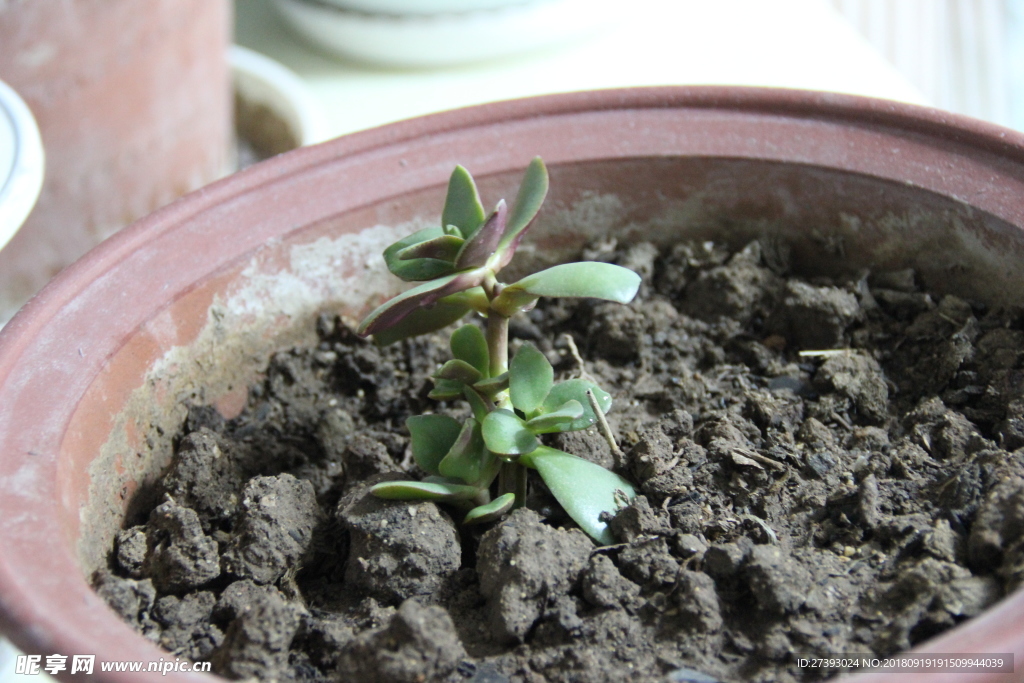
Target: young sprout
(513, 403)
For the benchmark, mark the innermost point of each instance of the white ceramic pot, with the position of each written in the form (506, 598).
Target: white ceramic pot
(434, 40)
(422, 6)
(274, 108)
(21, 162)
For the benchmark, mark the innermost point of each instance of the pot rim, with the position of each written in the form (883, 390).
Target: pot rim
(837, 107)
(939, 125)
(26, 618)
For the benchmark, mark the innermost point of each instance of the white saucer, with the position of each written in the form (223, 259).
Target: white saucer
(421, 6)
(21, 162)
(445, 39)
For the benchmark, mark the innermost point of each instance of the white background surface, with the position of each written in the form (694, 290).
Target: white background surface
(783, 43)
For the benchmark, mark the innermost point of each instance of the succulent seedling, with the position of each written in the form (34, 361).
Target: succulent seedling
(513, 403)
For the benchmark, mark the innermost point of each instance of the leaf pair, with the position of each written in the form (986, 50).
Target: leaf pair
(433, 252)
(460, 465)
(433, 306)
(541, 405)
(465, 459)
(468, 374)
(490, 243)
(453, 454)
(450, 290)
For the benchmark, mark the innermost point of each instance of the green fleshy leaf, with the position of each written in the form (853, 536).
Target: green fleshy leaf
(468, 344)
(469, 459)
(492, 386)
(443, 248)
(505, 433)
(557, 420)
(477, 403)
(463, 459)
(531, 195)
(418, 269)
(391, 312)
(446, 390)
(432, 437)
(458, 371)
(423, 490)
(583, 279)
(575, 390)
(584, 489)
(422, 269)
(462, 206)
(475, 298)
(491, 511)
(448, 310)
(530, 378)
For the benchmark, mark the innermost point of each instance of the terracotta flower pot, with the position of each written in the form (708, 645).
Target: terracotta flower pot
(133, 102)
(188, 303)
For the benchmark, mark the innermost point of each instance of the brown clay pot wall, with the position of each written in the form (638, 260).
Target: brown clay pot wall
(133, 102)
(189, 302)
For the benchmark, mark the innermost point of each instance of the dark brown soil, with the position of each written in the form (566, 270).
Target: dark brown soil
(859, 500)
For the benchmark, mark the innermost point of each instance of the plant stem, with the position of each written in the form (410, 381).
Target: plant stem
(506, 478)
(520, 480)
(512, 479)
(511, 476)
(497, 342)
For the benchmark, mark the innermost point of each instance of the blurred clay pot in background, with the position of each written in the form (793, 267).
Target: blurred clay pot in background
(133, 101)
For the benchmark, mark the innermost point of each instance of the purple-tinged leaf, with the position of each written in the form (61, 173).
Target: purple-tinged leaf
(443, 248)
(462, 206)
(479, 248)
(393, 311)
(425, 320)
(528, 202)
(504, 253)
(416, 270)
